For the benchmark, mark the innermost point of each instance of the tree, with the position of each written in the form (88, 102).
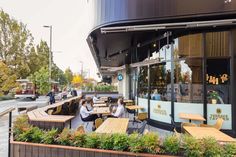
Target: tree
(15, 44)
(69, 75)
(7, 81)
(40, 79)
(77, 80)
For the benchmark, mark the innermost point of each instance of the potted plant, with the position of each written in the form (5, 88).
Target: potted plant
(214, 96)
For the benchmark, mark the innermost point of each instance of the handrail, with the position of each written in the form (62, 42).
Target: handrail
(7, 111)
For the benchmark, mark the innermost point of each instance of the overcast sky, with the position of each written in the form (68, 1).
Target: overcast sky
(71, 21)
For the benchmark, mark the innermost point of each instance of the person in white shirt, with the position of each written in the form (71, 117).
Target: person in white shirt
(85, 114)
(89, 102)
(120, 110)
(95, 98)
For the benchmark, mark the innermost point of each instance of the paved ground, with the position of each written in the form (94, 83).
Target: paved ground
(4, 120)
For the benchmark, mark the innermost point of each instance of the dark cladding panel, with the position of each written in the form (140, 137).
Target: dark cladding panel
(117, 11)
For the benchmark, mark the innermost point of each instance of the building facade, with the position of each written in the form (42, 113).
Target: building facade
(170, 56)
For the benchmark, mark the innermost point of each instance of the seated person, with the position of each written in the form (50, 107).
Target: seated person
(85, 114)
(95, 98)
(89, 105)
(120, 110)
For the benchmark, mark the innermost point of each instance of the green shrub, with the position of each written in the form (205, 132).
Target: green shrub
(78, 139)
(135, 143)
(64, 138)
(92, 140)
(49, 137)
(151, 142)
(20, 125)
(33, 134)
(229, 150)
(120, 142)
(171, 145)
(192, 147)
(106, 142)
(211, 147)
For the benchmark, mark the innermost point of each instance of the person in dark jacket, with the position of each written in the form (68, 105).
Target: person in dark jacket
(51, 95)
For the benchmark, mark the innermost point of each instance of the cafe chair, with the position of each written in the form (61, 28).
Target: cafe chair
(130, 111)
(217, 125)
(176, 133)
(142, 116)
(58, 110)
(186, 124)
(80, 129)
(50, 111)
(98, 122)
(85, 122)
(139, 130)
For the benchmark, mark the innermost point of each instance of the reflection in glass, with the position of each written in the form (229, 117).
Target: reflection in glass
(160, 81)
(143, 82)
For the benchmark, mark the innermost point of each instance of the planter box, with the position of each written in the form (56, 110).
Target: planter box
(26, 149)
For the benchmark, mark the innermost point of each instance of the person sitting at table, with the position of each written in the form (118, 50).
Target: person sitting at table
(95, 98)
(120, 110)
(89, 102)
(86, 115)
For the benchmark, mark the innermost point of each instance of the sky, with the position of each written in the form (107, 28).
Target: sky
(71, 22)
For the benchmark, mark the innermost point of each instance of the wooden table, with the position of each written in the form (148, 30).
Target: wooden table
(202, 132)
(99, 102)
(128, 101)
(191, 116)
(134, 107)
(101, 110)
(99, 105)
(103, 98)
(113, 125)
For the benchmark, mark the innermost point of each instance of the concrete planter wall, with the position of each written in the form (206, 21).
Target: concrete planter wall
(25, 149)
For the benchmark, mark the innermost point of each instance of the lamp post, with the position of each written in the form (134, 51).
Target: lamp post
(50, 54)
(81, 67)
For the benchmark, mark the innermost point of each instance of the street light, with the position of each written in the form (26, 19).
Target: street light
(50, 54)
(81, 67)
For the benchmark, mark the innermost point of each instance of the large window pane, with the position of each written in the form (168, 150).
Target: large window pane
(143, 82)
(218, 78)
(188, 75)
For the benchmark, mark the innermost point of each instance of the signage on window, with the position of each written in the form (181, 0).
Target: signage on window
(120, 77)
(221, 79)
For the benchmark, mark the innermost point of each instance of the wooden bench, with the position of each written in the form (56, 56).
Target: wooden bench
(40, 118)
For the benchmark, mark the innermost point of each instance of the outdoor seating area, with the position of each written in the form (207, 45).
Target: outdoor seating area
(58, 115)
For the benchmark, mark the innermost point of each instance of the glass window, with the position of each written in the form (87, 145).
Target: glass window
(160, 81)
(188, 83)
(217, 44)
(143, 82)
(188, 71)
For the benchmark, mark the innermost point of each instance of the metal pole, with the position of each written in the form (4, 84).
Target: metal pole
(50, 59)
(9, 138)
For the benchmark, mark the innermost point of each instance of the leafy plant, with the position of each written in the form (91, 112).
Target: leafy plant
(92, 140)
(33, 134)
(78, 139)
(211, 147)
(49, 137)
(213, 95)
(106, 141)
(120, 142)
(151, 142)
(192, 147)
(229, 150)
(171, 145)
(20, 125)
(64, 137)
(135, 143)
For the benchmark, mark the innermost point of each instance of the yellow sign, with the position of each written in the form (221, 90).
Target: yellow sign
(219, 115)
(160, 111)
(216, 80)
